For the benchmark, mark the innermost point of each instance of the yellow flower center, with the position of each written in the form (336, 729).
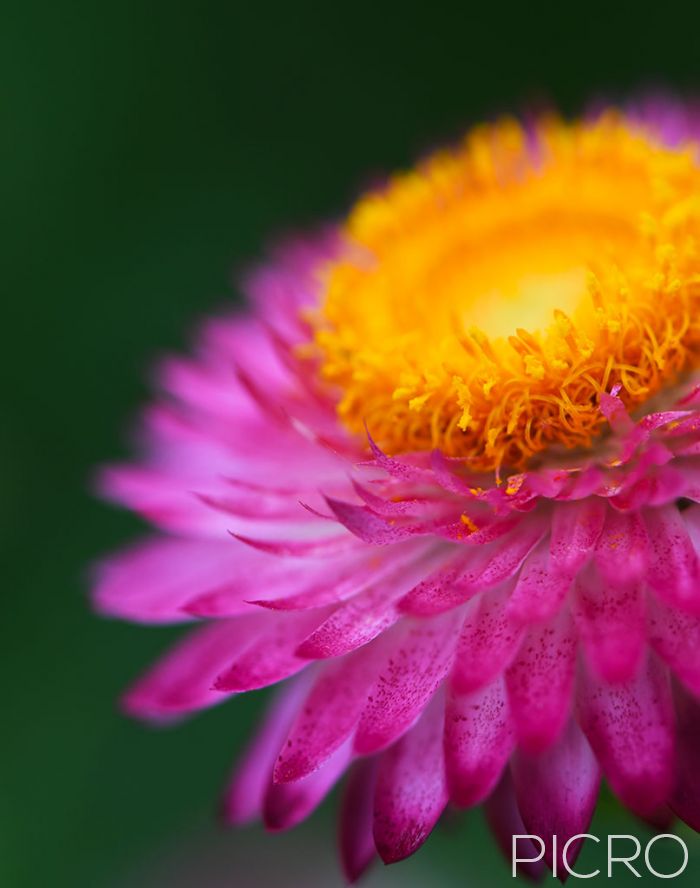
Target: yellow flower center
(486, 299)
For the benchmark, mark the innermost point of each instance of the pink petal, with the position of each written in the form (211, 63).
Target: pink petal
(575, 530)
(504, 818)
(539, 591)
(488, 566)
(333, 708)
(243, 799)
(412, 675)
(673, 572)
(332, 545)
(271, 656)
(611, 625)
(675, 636)
(365, 616)
(479, 739)
(540, 682)
(502, 558)
(411, 792)
(434, 594)
(487, 643)
(557, 793)
(368, 526)
(336, 579)
(685, 800)
(153, 580)
(621, 550)
(356, 839)
(630, 727)
(287, 804)
(308, 581)
(182, 680)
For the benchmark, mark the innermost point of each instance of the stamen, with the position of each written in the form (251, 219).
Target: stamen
(487, 299)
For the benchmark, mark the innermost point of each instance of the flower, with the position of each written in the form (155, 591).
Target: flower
(441, 481)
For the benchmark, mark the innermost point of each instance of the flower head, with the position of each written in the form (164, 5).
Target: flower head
(441, 482)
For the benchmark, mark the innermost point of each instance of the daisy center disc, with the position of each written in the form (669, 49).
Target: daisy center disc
(482, 302)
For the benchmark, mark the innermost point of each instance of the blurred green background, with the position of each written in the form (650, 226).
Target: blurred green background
(147, 151)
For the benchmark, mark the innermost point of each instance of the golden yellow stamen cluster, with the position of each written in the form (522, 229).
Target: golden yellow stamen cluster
(485, 300)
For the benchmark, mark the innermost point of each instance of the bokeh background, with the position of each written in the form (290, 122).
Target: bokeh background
(147, 151)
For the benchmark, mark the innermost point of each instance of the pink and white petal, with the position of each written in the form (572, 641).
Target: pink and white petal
(332, 580)
(576, 527)
(630, 728)
(557, 793)
(182, 681)
(540, 683)
(152, 581)
(271, 656)
(610, 620)
(421, 659)
(167, 501)
(539, 591)
(287, 804)
(488, 641)
(621, 553)
(243, 798)
(355, 836)
(479, 739)
(503, 816)
(674, 571)
(411, 791)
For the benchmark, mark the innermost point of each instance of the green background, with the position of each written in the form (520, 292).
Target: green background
(147, 150)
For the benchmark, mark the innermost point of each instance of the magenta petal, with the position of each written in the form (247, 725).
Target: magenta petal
(331, 580)
(674, 571)
(365, 616)
(675, 636)
(487, 567)
(621, 551)
(271, 656)
(540, 682)
(630, 727)
(182, 681)
(411, 793)
(611, 625)
(487, 643)
(479, 739)
(368, 526)
(576, 527)
(243, 799)
(287, 804)
(504, 818)
(416, 669)
(152, 581)
(436, 593)
(685, 800)
(332, 709)
(502, 558)
(539, 591)
(356, 838)
(557, 792)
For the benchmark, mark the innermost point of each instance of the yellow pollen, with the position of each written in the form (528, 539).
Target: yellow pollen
(484, 301)
(468, 523)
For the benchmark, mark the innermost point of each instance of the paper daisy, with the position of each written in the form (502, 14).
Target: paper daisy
(440, 481)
